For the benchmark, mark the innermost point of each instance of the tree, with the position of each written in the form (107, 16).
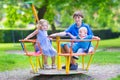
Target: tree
(98, 13)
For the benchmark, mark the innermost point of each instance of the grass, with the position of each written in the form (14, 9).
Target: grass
(114, 43)
(117, 78)
(15, 61)
(11, 61)
(104, 58)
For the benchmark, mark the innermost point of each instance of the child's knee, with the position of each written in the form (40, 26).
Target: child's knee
(91, 49)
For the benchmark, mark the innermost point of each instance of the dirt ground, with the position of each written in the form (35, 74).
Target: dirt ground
(96, 72)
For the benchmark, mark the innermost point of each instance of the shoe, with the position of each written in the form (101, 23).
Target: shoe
(54, 66)
(45, 66)
(75, 57)
(74, 67)
(64, 67)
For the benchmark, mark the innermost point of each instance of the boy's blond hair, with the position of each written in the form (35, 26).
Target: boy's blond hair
(83, 29)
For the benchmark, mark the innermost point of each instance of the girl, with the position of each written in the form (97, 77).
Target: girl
(42, 38)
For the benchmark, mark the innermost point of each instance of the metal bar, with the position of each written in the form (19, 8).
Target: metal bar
(59, 52)
(89, 62)
(83, 62)
(32, 64)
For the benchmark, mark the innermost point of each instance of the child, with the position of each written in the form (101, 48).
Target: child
(80, 47)
(42, 38)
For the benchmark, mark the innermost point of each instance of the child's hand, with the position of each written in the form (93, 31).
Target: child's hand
(96, 37)
(53, 35)
(26, 39)
(50, 38)
(69, 34)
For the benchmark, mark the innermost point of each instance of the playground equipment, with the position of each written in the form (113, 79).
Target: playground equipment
(30, 52)
(57, 71)
(33, 41)
(67, 56)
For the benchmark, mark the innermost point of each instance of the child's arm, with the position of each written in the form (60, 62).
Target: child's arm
(32, 34)
(58, 34)
(96, 37)
(73, 37)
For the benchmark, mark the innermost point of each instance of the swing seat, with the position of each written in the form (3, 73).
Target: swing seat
(28, 47)
(70, 54)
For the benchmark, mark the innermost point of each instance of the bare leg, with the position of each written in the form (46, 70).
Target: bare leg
(53, 62)
(67, 50)
(45, 59)
(73, 61)
(53, 59)
(62, 50)
(46, 66)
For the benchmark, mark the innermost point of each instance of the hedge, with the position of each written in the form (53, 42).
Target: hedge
(9, 36)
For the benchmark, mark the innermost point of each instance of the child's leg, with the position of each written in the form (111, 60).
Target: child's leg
(80, 50)
(62, 48)
(46, 66)
(66, 48)
(53, 62)
(73, 64)
(53, 59)
(45, 59)
(91, 50)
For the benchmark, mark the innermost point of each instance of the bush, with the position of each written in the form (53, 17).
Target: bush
(1, 36)
(8, 36)
(106, 34)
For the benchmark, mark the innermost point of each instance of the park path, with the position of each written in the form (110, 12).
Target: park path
(96, 72)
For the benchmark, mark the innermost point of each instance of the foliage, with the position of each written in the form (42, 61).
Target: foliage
(1, 36)
(17, 15)
(98, 13)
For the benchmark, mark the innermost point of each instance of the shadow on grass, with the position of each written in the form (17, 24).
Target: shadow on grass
(62, 77)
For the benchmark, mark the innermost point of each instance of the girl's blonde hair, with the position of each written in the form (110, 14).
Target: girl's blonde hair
(41, 22)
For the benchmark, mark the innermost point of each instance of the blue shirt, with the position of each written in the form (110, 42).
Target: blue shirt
(73, 29)
(82, 44)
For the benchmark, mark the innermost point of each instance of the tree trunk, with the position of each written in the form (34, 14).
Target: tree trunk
(41, 12)
(53, 28)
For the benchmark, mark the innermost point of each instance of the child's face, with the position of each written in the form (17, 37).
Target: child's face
(78, 20)
(44, 26)
(82, 32)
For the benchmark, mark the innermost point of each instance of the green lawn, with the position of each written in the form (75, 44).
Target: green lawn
(117, 78)
(14, 61)
(115, 43)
